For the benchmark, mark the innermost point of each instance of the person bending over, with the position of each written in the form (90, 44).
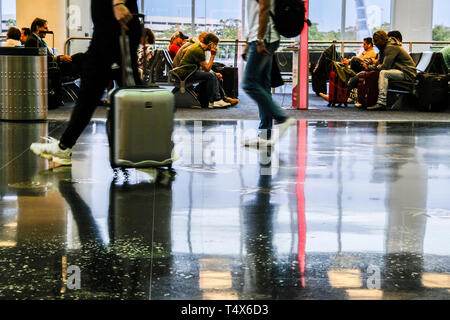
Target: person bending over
(219, 78)
(196, 55)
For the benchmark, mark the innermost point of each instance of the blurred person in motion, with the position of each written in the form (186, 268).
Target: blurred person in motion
(108, 16)
(262, 42)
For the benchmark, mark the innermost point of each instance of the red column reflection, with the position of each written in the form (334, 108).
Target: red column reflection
(301, 167)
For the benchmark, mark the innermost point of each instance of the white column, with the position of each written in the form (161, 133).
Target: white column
(414, 19)
(79, 24)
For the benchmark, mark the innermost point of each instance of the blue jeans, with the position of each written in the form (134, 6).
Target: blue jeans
(257, 84)
(212, 84)
(383, 83)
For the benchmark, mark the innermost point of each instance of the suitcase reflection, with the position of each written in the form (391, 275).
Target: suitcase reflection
(139, 248)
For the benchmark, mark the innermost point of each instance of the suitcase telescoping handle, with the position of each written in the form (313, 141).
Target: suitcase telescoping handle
(127, 70)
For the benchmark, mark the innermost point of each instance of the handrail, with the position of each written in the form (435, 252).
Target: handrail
(73, 38)
(342, 43)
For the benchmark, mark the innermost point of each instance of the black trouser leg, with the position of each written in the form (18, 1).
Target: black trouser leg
(103, 52)
(94, 80)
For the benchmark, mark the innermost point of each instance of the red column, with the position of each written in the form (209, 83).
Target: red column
(300, 90)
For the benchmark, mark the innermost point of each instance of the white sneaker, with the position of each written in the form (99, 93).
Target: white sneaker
(257, 143)
(221, 104)
(282, 127)
(52, 151)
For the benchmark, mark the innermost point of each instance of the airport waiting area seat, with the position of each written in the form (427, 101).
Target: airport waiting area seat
(426, 62)
(161, 72)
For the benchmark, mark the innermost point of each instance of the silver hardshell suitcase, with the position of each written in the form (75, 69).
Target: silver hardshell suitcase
(140, 122)
(141, 128)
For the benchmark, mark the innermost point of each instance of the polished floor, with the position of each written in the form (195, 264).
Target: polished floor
(337, 210)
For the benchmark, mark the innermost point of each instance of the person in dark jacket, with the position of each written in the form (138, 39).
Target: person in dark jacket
(39, 27)
(395, 64)
(104, 52)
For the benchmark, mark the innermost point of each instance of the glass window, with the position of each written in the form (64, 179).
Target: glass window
(8, 14)
(166, 17)
(224, 19)
(441, 22)
(364, 17)
(326, 23)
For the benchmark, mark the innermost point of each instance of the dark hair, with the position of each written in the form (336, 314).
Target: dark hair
(150, 35)
(38, 22)
(26, 31)
(210, 37)
(396, 34)
(14, 33)
(369, 41)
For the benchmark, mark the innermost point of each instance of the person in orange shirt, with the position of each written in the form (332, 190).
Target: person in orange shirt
(368, 56)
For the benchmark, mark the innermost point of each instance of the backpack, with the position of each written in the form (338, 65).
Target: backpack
(289, 17)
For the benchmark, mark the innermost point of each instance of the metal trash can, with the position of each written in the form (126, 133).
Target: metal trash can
(23, 84)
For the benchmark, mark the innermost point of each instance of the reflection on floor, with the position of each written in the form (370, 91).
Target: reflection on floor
(337, 210)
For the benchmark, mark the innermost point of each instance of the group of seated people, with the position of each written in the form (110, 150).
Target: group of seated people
(16, 37)
(182, 50)
(186, 53)
(393, 62)
(60, 66)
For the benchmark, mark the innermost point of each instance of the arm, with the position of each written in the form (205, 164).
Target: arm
(264, 15)
(389, 57)
(207, 66)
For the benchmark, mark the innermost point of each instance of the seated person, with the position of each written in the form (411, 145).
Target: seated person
(39, 27)
(180, 55)
(60, 67)
(176, 42)
(368, 56)
(395, 34)
(184, 48)
(196, 55)
(25, 33)
(396, 64)
(145, 50)
(12, 38)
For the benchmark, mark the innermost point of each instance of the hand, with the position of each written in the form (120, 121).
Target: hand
(346, 61)
(214, 50)
(65, 59)
(122, 14)
(262, 50)
(246, 50)
(219, 75)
